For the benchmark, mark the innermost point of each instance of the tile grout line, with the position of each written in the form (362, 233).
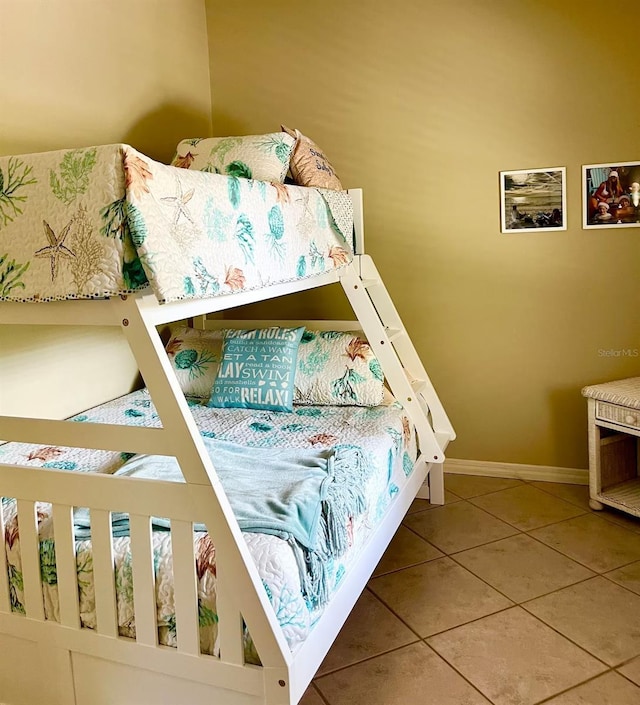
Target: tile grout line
(433, 507)
(482, 494)
(576, 560)
(615, 670)
(511, 599)
(514, 603)
(390, 651)
(466, 624)
(475, 619)
(590, 513)
(603, 514)
(544, 594)
(398, 570)
(517, 530)
(513, 526)
(568, 638)
(319, 693)
(339, 669)
(455, 670)
(382, 653)
(611, 580)
(395, 614)
(422, 537)
(568, 557)
(582, 648)
(533, 528)
(607, 517)
(559, 552)
(628, 661)
(577, 685)
(525, 532)
(453, 555)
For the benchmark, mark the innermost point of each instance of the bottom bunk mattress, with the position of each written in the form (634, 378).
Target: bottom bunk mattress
(383, 434)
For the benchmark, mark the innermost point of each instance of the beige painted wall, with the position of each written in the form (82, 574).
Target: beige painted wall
(422, 104)
(77, 73)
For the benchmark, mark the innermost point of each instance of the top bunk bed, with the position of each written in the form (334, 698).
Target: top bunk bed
(109, 221)
(108, 236)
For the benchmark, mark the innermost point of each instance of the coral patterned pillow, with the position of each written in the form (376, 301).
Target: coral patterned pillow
(261, 157)
(195, 356)
(338, 369)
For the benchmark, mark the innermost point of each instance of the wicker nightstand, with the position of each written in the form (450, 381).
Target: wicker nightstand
(614, 445)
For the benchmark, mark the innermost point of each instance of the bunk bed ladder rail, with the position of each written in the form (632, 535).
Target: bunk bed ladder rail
(404, 371)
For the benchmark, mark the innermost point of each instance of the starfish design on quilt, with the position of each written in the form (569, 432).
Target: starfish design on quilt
(179, 202)
(303, 200)
(56, 247)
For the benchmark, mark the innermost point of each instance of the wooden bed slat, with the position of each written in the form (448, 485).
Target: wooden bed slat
(5, 602)
(229, 619)
(30, 555)
(185, 587)
(101, 436)
(103, 573)
(144, 591)
(66, 565)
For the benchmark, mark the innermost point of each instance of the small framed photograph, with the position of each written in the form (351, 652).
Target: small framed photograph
(611, 195)
(533, 199)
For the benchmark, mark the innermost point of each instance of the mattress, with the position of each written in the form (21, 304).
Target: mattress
(108, 220)
(384, 433)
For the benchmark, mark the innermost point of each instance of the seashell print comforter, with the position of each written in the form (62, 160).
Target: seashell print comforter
(108, 220)
(384, 432)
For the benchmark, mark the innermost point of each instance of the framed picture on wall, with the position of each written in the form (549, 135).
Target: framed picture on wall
(533, 199)
(611, 195)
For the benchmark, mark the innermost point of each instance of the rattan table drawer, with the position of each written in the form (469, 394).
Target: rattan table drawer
(618, 414)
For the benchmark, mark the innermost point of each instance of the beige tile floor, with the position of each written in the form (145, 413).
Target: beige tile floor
(513, 593)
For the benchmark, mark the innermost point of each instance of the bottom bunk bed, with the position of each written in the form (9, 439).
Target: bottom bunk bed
(147, 615)
(376, 444)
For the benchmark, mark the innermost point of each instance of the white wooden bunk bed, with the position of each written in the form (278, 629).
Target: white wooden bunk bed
(77, 665)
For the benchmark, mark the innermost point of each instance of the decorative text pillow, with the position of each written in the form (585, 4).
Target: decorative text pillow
(195, 356)
(309, 165)
(261, 157)
(339, 369)
(258, 369)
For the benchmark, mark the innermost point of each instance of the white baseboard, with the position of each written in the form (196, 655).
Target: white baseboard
(542, 473)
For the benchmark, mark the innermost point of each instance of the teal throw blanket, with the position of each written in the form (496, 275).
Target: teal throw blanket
(304, 496)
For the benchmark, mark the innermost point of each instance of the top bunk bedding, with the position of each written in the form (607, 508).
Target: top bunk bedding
(108, 220)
